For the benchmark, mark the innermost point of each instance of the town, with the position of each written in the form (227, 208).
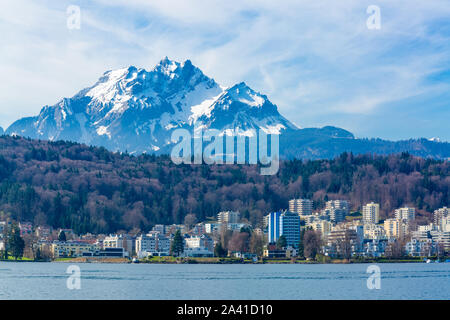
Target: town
(294, 234)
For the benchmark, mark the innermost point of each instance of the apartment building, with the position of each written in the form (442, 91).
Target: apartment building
(302, 207)
(274, 226)
(440, 217)
(199, 242)
(374, 232)
(72, 248)
(152, 243)
(323, 226)
(284, 224)
(371, 213)
(394, 228)
(290, 228)
(405, 213)
(338, 204)
(228, 217)
(119, 241)
(336, 215)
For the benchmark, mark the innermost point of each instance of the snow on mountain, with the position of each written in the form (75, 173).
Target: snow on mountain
(136, 110)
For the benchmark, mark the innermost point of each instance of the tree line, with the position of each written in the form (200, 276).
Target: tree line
(90, 189)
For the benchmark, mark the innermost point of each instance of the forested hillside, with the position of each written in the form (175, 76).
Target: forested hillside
(90, 189)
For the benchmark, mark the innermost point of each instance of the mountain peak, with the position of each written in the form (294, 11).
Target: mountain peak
(243, 93)
(174, 69)
(167, 66)
(136, 110)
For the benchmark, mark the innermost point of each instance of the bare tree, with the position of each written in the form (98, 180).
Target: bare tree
(225, 236)
(344, 246)
(190, 220)
(256, 244)
(312, 242)
(239, 242)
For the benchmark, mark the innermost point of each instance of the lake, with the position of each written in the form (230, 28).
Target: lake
(23, 280)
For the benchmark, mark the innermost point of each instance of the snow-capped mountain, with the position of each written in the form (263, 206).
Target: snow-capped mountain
(136, 110)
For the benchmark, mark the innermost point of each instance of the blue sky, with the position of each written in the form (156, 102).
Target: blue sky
(316, 60)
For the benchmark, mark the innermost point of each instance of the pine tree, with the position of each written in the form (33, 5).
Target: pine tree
(16, 243)
(62, 236)
(301, 247)
(281, 242)
(177, 244)
(219, 251)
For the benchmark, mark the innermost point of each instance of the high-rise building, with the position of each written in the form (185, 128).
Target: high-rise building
(302, 207)
(274, 226)
(284, 224)
(371, 213)
(439, 217)
(405, 213)
(290, 228)
(228, 217)
(394, 228)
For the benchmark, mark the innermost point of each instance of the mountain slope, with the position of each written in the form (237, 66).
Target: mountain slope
(90, 189)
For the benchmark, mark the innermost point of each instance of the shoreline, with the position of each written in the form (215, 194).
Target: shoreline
(223, 261)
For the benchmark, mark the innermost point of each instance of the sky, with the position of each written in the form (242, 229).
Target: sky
(318, 61)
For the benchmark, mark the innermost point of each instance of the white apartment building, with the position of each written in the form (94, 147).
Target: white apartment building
(211, 227)
(371, 213)
(151, 244)
(442, 237)
(395, 228)
(440, 216)
(159, 228)
(374, 232)
(445, 225)
(119, 241)
(338, 204)
(302, 207)
(202, 246)
(62, 249)
(323, 226)
(228, 217)
(405, 213)
(203, 241)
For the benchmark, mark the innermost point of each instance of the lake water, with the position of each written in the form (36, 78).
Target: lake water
(197, 281)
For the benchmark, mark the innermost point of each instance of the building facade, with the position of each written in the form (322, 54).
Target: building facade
(302, 207)
(228, 217)
(274, 226)
(405, 213)
(371, 213)
(290, 228)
